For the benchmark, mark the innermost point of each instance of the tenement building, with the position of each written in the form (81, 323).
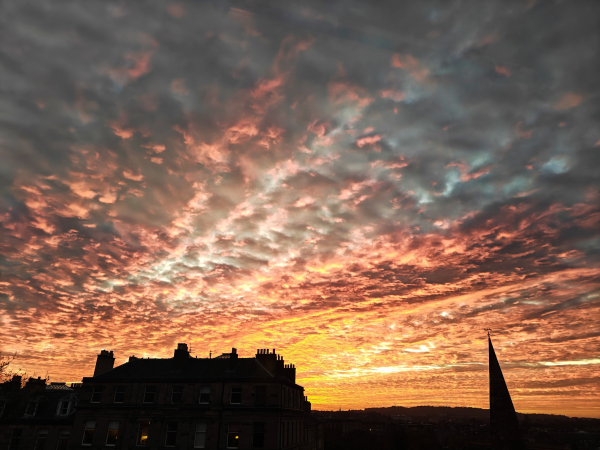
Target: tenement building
(227, 402)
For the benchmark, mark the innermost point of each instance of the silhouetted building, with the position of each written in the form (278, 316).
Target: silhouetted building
(182, 402)
(503, 417)
(36, 416)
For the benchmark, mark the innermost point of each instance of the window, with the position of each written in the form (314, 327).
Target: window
(142, 437)
(236, 396)
(149, 394)
(31, 408)
(176, 394)
(88, 432)
(258, 439)
(119, 394)
(63, 440)
(233, 435)
(41, 439)
(171, 438)
(64, 407)
(261, 396)
(200, 436)
(113, 433)
(97, 394)
(204, 395)
(15, 439)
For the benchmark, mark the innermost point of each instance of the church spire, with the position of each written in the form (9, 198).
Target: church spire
(503, 417)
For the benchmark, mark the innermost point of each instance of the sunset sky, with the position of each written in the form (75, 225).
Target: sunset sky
(363, 186)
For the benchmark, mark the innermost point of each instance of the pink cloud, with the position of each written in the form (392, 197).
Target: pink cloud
(397, 96)
(140, 64)
(176, 10)
(341, 91)
(243, 131)
(178, 87)
(368, 140)
(522, 134)
(503, 71)
(568, 101)
(410, 63)
(132, 176)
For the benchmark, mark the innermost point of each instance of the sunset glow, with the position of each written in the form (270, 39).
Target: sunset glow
(364, 189)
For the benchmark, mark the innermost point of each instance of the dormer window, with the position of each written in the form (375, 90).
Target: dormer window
(66, 405)
(32, 407)
(63, 408)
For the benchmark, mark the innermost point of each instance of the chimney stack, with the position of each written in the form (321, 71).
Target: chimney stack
(289, 371)
(307, 404)
(267, 359)
(34, 385)
(104, 362)
(180, 356)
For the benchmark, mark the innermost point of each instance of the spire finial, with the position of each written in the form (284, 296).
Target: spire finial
(489, 330)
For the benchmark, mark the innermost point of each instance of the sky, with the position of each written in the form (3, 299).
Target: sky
(364, 186)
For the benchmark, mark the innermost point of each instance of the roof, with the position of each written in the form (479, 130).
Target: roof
(192, 368)
(59, 387)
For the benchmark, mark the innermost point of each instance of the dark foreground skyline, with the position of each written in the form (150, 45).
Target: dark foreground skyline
(368, 184)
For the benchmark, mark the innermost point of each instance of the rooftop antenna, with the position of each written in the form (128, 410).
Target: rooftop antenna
(489, 330)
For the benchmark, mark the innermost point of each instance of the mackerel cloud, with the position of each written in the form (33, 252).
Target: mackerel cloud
(364, 186)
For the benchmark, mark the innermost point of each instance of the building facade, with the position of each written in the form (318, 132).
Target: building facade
(227, 402)
(36, 416)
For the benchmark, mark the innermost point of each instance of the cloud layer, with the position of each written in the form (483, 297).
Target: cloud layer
(364, 187)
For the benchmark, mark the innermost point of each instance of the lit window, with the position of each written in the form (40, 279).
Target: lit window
(176, 394)
(63, 440)
(142, 437)
(236, 396)
(171, 438)
(204, 395)
(119, 394)
(97, 394)
(261, 396)
(200, 436)
(149, 394)
(41, 439)
(113, 433)
(15, 439)
(88, 432)
(258, 439)
(233, 435)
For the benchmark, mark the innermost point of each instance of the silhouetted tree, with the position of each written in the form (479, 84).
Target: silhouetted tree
(5, 372)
